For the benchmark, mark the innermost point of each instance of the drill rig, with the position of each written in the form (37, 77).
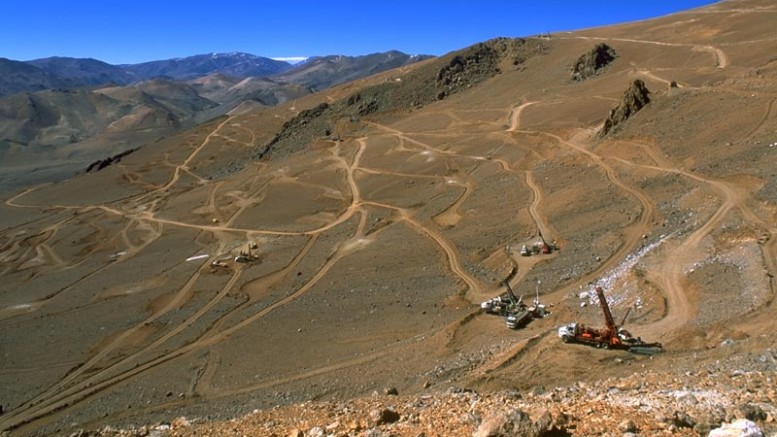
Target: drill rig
(612, 336)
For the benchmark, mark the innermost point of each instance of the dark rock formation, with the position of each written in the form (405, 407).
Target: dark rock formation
(592, 62)
(102, 163)
(383, 416)
(482, 61)
(635, 98)
(301, 128)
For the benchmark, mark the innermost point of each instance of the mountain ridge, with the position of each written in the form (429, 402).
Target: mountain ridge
(237, 64)
(82, 71)
(69, 72)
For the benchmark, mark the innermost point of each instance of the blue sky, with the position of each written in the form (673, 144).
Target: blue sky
(133, 31)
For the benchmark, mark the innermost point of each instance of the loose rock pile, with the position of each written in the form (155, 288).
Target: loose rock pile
(717, 402)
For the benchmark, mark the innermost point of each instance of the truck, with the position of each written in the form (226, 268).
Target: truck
(610, 337)
(580, 333)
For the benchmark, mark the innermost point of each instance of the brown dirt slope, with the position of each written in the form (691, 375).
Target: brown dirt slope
(191, 279)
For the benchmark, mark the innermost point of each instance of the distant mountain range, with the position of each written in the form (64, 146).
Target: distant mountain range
(317, 72)
(82, 109)
(59, 72)
(84, 72)
(230, 64)
(321, 72)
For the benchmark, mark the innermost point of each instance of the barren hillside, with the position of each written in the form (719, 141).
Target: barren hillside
(296, 259)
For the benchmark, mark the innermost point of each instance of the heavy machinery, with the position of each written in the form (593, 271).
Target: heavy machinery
(516, 313)
(496, 305)
(540, 246)
(610, 337)
(522, 315)
(506, 302)
(247, 256)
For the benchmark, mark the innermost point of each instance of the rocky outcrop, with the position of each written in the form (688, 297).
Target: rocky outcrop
(635, 98)
(591, 63)
(482, 61)
(302, 128)
(717, 399)
(102, 163)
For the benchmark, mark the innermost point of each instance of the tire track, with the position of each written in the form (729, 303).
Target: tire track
(541, 224)
(671, 275)
(762, 121)
(632, 236)
(721, 59)
(65, 397)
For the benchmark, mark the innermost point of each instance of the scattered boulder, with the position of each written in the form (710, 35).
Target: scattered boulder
(538, 390)
(180, 422)
(316, 431)
(706, 420)
(544, 423)
(738, 428)
(387, 415)
(506, 424)
(634, 99)
(750, 412)
(683, 420)
(591, 63)
(627, 426)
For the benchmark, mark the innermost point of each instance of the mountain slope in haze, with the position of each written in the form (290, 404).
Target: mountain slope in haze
(315, 74)
(321, 72)
(230, 64)
(231, 92)
(52, 134)
(17, 77)
(79, 72)
(340, 244)
(61, 117)
(65, 72)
